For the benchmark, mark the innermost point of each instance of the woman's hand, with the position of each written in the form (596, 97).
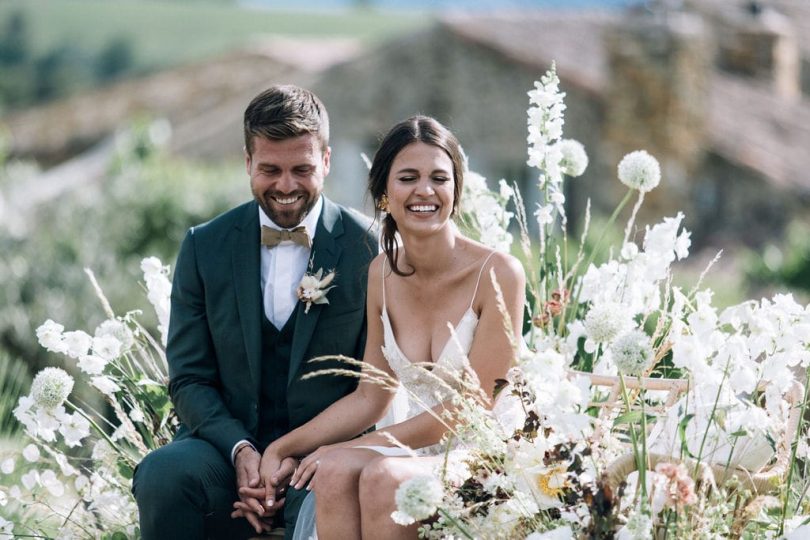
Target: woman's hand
(309, 465)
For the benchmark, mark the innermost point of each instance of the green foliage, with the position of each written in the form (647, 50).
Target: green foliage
(14, 382)
(142, 207)
(786, 264)
(51, 48)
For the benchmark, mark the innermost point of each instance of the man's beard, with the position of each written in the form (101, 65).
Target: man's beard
(287, 218)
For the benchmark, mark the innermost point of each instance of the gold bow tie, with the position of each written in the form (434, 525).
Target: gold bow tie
(273, 237)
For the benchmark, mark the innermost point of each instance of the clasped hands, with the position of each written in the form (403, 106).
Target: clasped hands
(262, 481)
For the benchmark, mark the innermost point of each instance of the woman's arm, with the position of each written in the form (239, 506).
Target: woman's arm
(491, 356)
(350, 415)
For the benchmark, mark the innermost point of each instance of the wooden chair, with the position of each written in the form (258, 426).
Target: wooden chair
(759, 482)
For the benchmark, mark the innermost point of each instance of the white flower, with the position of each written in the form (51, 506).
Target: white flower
(3, 502)
(605, 321)
(74, 428)
(118, 330)
(136, 415)
(544, 214)
(91, 364)
(107, 347)
(639, 170)
(77, 343)
(50, 336)
(560, 533)
(8, 466)
(313, 288)
(632, 353)
(574, 159)
(50, 482)
(151, 266)
(106, 385)
(6, 527)
(417, 499)
(51, 387)
(639, 527)
(31, 453)
(30, 479)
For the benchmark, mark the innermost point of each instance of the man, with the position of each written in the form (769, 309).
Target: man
(240, 335)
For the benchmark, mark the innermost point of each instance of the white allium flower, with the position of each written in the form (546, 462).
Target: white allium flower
(605, 321)
(417, 499)
(8, 466)
(105, 385)
(574, 158)
(49, 335)
(107, 347)
(91, 364)
(639, 170)
(77, 343)
(51, 387)
(31, 453)
(632, 353)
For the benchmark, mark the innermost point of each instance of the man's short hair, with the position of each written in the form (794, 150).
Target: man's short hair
(283, 112)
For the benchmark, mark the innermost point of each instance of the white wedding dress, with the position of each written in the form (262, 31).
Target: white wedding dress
(421, 388)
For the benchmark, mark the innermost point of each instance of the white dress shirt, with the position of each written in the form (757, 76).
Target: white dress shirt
(286, 263)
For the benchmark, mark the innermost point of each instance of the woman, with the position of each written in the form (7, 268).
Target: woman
(436, 276)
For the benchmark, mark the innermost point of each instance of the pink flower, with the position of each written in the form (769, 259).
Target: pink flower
(678, 485)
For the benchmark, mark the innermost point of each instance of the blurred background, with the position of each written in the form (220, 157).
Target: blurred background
(120, 125)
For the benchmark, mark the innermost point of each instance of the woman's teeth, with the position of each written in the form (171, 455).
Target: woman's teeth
(423, 208)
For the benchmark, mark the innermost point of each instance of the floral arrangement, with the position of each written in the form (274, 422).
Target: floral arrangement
(637, 409)
(76, 470)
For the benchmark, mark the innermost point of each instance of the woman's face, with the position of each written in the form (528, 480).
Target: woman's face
(420, 188)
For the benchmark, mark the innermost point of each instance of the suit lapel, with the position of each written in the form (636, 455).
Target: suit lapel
(325, 254)
(246, 267)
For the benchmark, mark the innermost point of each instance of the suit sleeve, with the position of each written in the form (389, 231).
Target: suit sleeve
(194, 381)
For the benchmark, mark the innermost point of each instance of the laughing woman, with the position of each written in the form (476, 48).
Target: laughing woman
(431, 277)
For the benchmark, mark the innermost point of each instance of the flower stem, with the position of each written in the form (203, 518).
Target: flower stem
(794, 446)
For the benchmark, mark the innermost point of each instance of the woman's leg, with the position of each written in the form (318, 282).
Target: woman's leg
(378, 485)
(336, 487)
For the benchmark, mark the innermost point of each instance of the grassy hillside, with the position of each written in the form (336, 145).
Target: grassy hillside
(166, 33)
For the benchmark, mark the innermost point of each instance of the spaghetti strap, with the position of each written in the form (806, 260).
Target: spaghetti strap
(477, 283)
(385, 260)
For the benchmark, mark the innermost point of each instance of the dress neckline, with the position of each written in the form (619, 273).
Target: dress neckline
(469, 314)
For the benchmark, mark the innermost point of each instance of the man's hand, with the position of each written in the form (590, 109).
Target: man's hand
(247, 463)
(273, 497)
(275, 473)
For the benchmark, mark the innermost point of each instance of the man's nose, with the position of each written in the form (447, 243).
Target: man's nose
(286, 183)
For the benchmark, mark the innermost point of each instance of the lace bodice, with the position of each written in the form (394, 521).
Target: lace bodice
(424, 385)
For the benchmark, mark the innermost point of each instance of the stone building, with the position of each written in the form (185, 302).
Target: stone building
(716, 89)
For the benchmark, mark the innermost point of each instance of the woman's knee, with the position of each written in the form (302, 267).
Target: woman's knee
(378, 481)
(337, 474)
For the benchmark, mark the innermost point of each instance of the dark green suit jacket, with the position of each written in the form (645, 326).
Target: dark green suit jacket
(214, 345)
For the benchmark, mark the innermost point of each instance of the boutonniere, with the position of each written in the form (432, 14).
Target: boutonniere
(313, 288)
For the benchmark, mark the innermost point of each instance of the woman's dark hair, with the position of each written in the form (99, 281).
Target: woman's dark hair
(415, 129)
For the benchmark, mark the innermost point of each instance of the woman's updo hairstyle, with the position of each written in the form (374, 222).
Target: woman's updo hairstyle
(422, 129)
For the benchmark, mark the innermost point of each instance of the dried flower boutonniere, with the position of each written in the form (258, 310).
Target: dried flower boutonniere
(313, 288)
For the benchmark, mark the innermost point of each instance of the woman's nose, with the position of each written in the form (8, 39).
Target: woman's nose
(423, 187)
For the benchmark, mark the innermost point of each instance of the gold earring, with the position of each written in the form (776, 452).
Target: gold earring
(383, 204)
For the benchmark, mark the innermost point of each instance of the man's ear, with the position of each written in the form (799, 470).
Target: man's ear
(247, 161)
(327, 155)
